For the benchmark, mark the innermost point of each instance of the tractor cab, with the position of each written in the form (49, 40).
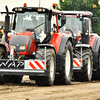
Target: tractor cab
(31, 19)
(79, 23)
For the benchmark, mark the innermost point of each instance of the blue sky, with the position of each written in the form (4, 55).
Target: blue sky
(18, 3)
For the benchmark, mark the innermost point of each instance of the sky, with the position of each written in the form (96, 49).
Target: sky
(19, 3)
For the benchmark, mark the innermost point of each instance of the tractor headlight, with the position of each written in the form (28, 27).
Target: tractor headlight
(22, 47)
(12, 46)
(19, 9)
(41, 10)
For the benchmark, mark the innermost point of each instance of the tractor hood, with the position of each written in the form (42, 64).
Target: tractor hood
(21, 42)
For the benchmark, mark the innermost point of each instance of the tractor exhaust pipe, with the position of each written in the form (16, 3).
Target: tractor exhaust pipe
(7, 22)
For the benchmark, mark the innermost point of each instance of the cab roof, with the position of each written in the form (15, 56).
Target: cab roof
(38, 9)
(77, 12)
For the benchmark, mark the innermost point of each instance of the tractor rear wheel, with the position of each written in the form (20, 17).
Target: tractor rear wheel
(13, 79)
(50, 65)
(96, 74)
(2, 52)
(2, 79)
(87, 61)
(2, 55)
(64, 77)
(8, 78)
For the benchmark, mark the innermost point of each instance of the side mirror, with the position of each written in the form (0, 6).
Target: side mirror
(95, 21)
(63, 20)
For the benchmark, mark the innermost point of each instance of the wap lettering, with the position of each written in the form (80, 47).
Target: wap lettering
(12, 64)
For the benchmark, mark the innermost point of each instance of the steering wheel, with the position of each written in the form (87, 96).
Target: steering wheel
(70, 32)
(72, 27)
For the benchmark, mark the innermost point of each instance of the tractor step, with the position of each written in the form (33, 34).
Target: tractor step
(94, 69)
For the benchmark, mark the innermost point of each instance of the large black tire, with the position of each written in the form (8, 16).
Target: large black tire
(87, 60)
(13, 79)
(2, 52)
(96, 74)
(2, 79)
(50, 64)
(2, 55)
(8, 78)
(64, 77)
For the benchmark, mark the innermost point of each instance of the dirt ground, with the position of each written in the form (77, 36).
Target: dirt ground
(28, 90)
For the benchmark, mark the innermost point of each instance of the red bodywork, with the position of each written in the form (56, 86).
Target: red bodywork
(55, 41)
(92, 39)
(33, 44)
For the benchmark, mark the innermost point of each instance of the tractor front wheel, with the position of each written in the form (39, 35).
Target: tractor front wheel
(96, 74)
(64, 77)
(13, 79)
(50, 65)
(87, 65)
(2, 55)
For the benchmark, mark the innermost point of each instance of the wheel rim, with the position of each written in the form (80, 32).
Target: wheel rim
(67, 63)
(52, 68)
(89, 69)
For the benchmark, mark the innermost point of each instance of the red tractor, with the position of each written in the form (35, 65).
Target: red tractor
(34, 47)
(86, 50)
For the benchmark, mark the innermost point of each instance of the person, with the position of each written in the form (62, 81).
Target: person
(36, 28)
(35, 22)
(34, 25)
(73, 26)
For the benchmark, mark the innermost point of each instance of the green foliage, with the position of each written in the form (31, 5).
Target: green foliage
(81, 5)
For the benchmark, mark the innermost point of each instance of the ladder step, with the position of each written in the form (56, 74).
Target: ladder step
(94, 69)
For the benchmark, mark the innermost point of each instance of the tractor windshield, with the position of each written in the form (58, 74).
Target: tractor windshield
(29, 20)
(73, 23)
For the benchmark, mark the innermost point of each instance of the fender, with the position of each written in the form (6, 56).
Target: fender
(46, 45)
(56, 40)
(83, 46)
(59, 55)
(92, 39)
(96, 50)
(96, 43)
